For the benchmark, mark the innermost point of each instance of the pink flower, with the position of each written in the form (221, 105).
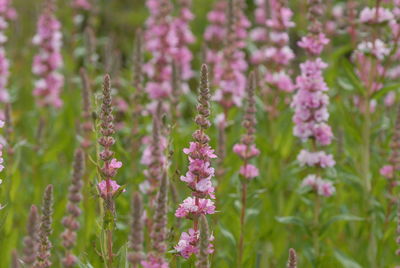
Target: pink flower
(377, 48)
(326, 188)
(189, 208)
(244, 152)
(315, 159)
(313, 44)
(197, 150)
(249, 171)
(115, 164)
(48, 61)
(103, 187)
(188, 244)
(154, 261)
(372, 16)
(390, 99)
(387, 171)
(318, 185)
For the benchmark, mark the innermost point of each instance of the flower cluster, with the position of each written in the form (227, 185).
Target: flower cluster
(215, 32)
(188, 244)
(310, 103)
(375, 16)
(229, 70)
(271, 35)
(312, 159)
(48, 61)
(181, 53)
(322, 187)
(167, 38)
(246, 149)
(6, 13)
(107, 187)
(198, 177)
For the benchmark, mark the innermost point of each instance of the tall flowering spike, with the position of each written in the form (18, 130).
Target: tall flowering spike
(70, 221)
(160, 41)
(153, 157)
(202, 260)
(215, 33)
(44, 254)
(182, 55)
(292, 261)
(32, 237)
(136, 254)
(271, 36)
(198, 177)
(7, 13)
(48, 61)
(229, 72)
(246, 149)
(310, 104)
(107, 187)
(158, 235)
(87, 125)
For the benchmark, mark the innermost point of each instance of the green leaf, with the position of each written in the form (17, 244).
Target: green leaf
(341, 217)
(382, 92)
(345, 260)
(291, 220)
(227, 234)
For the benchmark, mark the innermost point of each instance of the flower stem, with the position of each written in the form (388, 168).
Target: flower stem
(242, 222)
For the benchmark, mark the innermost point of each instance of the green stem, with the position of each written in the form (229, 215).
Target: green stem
(315, 234)
(242, 224)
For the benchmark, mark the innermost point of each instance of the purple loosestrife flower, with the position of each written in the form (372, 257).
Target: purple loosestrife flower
(70, 222)
(48, 61)
(181, 53)
(310, 104)
(158, 235)
(198, 177)
(271, 36)
(32, 237)
(107, 187)
(136, 239)
(229, 72)
(7, 13)
(246, 149)
(161, 41)
(215, 33)
(44, 246)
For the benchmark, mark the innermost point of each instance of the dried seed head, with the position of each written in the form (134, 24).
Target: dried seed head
(31, 239)
(136, 237)
(292, 261)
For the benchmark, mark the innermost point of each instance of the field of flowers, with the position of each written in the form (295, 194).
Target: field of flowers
(199, 133)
